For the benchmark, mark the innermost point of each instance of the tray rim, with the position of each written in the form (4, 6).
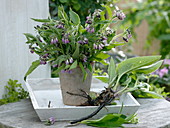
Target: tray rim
(36, 106)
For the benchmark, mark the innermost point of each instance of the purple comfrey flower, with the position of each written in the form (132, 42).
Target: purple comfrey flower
(120, 15)
(88, 28)
(52, 41)
(71, 60)
(104, 41)
(62, 71)
(85, 59)
(92, 30)
(80, 42)
(40, 40)
(32, 51)
(162, 72)
(88, 17)
(167, 61)
(85, 41)
(67, 62)
(68, 71)
(65, 40)
(51, 120)
(129, 36)
(42, 62)
(55, 40)
(100, 47)
(60, 26)
(94, 46)
(46, 55)
(125, 39)
(89, 21)
(55, 66)
(104, 38)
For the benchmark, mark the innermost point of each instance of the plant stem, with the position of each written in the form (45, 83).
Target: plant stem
(107, 101)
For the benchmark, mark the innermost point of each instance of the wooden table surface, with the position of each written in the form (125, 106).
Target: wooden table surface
(153, 113)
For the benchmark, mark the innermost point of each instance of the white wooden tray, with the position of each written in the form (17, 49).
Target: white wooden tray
(42, 91)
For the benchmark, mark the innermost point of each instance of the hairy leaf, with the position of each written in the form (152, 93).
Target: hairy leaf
(135, 63)
(108, 121)
(112, 70)
(150, 68)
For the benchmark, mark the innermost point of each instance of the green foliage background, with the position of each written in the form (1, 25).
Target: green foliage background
(82, 7)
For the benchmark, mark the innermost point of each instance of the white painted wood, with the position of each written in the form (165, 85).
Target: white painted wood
(15, 57)
(44, 90)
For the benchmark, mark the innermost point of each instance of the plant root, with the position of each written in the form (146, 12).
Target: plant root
(105, 98)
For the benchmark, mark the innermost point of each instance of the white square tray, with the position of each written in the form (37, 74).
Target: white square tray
(44, 90)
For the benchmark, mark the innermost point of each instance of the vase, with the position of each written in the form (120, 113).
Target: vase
(73, 87)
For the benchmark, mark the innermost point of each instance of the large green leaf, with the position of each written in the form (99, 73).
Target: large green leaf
(74, 17)
(150, 68)
(135, 63)
(108, 121)
(74, 65)
(34, 65)
(112, 70)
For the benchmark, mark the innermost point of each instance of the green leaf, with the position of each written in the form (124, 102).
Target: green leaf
(76, 53)
(83, 70)
(59, 69)
(28, 35)
(135, 63)
(62, 14)
(150, 94)
(109, 11)
(131, 119)
(103, 79)
(108, 121)
(102, 55)
(41, 20)
(102, 15)
(74, 65)
(150, 68)
(63, 1)
(112, 70)
(74, 17)
(164, 37)
(77, 6)
(34, 65)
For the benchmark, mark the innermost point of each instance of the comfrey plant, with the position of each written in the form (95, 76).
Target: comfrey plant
(67, 44)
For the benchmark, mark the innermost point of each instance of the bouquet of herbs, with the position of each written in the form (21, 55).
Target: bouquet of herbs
(67, 44)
